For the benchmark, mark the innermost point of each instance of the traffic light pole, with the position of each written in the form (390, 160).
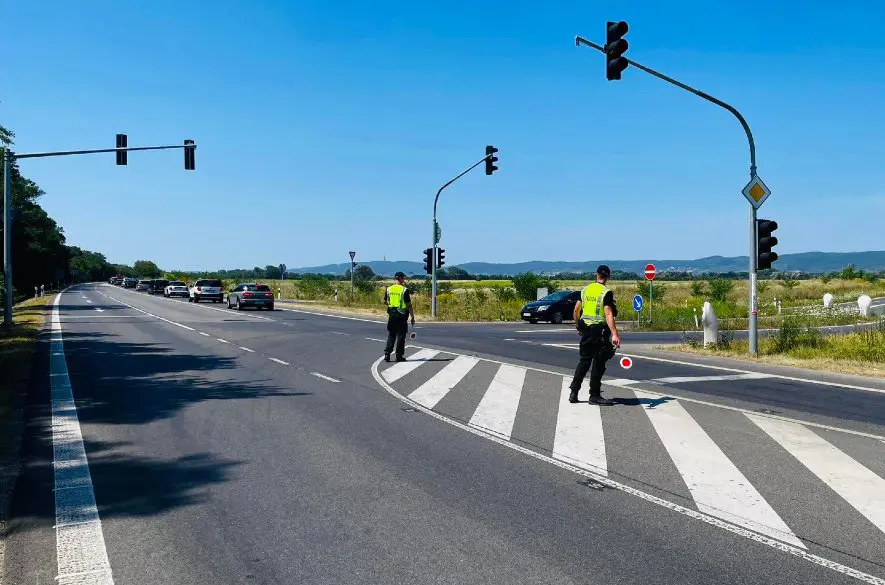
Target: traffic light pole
(753, 327)
(433, 307)
(8, 158)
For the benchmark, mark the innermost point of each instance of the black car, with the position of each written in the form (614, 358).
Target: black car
(158, 285)
(553, 308)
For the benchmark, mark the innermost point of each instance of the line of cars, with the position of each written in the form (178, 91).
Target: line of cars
(244, 295)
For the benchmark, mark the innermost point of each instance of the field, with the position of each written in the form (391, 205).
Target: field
(673, 307)
(797, 343)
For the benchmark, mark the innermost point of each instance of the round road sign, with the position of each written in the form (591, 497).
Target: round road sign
(626, 363)
(650, 272)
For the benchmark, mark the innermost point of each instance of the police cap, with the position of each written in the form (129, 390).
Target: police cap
(604, 271)
(400, 274)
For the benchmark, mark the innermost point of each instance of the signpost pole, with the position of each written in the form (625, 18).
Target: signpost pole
(352, 267)
(7, 236)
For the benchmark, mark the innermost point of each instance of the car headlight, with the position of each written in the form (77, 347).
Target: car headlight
(543, 308)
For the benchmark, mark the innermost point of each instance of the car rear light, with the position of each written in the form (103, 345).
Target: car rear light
(247, 294)
(268, 295)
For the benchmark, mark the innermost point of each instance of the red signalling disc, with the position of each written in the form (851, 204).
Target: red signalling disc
(626, 363)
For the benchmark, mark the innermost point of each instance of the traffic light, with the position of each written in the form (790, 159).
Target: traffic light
(615, 47)
(440, 258)
(190, 152)
(122, 154)
(428, 260)
(491, 167)
(765, 242)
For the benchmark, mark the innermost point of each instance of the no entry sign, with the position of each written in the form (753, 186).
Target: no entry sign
(650, 272)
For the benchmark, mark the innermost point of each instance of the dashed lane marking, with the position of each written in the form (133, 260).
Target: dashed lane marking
(273, 359)
(325, 377)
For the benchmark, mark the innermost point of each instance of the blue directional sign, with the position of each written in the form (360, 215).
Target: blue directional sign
(637, 303)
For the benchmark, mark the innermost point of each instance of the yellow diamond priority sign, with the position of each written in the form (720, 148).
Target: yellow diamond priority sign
(756, 192)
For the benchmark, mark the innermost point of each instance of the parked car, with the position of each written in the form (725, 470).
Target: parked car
(158, 285)
(553, 308)
(143, 286)
(250, 294)
(129, 282)
(206, 288)
(176, 288)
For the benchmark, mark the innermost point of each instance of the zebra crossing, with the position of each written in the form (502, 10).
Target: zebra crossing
(799, 483)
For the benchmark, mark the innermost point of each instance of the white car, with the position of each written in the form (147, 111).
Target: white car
(206, 288)
(176, 288)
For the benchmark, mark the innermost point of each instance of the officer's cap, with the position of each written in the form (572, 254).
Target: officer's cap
(603, 271)
(400, 274)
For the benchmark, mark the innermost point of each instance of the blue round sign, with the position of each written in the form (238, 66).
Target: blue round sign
(637, 303)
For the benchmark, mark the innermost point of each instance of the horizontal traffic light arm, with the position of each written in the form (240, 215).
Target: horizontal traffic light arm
(97, 150)
(473, 166)
(582, 41)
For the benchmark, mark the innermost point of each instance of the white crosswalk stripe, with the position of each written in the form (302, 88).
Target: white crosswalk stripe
(720, 485)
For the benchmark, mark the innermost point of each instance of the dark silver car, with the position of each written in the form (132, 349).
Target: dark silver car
(250, 294)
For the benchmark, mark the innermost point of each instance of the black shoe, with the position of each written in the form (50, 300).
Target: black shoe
(573, 397)
(601, 401)
(386, 357)
(400, 358)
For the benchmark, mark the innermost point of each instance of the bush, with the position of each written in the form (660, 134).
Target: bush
(720, 288)
(698, 288)
(644, 289)
(528, 283)
(795, 333)
(762, 286)
(504, 293)
(314, 287)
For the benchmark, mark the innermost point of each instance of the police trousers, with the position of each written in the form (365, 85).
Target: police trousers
(397, 327)
(595, 350)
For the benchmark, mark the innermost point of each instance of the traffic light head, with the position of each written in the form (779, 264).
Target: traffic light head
(491, 167)
(428, 260)
(190, 155)
(765, 243)
(615, 47)
(122, 142)
(440, 257)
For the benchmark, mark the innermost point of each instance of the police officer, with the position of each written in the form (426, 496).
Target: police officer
(595, 320)
(398, 299)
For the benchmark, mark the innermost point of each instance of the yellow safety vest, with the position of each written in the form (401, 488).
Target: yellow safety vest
(395, 297)
(591, 303)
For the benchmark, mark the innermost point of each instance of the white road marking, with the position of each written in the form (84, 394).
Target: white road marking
(223, 340)
(66, 317)
(88, 301)
(325, 377)
(273, 359)
(579, 438)
(706, 518)
(80, 545)
(99, 310)
(857, 485)
(204, 334)
(330, 315)
(247, 349)
(433, 390)
(151, 314)
(726, 369)
(496, 412)
(400, 369)
(569, 330)
(678, 379)
(375, 339)
(716, 484)
(338, 333)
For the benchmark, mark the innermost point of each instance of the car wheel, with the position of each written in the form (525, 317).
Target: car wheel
(533, 321)
(557, 318)
(239, 305)
(229, 306)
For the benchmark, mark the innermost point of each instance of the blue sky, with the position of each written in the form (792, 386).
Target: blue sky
(328, 126)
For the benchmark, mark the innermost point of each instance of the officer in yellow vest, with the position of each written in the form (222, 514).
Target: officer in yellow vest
(398, 299)
(595, 320)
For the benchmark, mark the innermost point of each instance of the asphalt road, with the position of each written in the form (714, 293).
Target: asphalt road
(215, 446)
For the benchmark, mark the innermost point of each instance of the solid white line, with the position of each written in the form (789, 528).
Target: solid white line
(496, 412)
(151, 314)
(400, 369)
(329, 315)
(338, 333)
(569, 330)
(80, 547)
(706, 518)
(579, 438)
(325, 377)
(64, 318)
(374, 339)
(273, 359)
(716, 484)
(223, 340)
(247, 349)
(679, 379)
(433, 390)
(204, 334)
(857, 485)
(88, 301)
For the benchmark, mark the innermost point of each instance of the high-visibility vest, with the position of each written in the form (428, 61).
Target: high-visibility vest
(591, 303)
(395, 297)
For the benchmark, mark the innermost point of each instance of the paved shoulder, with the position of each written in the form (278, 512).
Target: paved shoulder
(734, 467)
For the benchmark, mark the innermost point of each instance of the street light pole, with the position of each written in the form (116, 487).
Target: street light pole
(753, 241)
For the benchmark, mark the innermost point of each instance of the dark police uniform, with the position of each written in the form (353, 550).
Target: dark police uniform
(596, 341)
(397, 297)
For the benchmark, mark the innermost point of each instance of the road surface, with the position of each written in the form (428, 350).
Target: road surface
(181, 443)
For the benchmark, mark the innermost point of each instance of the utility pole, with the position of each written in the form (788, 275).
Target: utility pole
(121, 151)
(352, 268)
(615, 63)
(489, 159)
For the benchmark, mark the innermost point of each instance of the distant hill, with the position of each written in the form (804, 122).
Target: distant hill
(809, 262)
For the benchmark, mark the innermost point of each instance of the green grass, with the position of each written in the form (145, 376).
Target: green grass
(17, 344)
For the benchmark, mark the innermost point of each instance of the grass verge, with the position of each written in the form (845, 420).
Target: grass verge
(860, 353)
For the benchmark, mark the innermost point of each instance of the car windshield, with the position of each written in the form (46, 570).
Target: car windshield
(144, 282)
(557, 296)
(176, 283)
(211, 283)
(262, 288)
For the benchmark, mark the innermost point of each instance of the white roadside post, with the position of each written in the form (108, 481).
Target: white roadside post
(711, 325)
